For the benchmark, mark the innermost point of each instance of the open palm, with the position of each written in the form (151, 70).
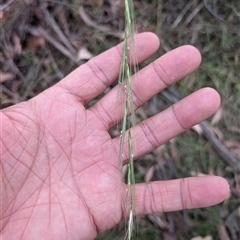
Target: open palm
(59, 165)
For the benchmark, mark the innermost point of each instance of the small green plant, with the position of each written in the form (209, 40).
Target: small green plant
(127, 135)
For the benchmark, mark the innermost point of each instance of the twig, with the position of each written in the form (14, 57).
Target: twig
(220, 148)
(5, 5)
(88, 21)
(222, 232)
(49, 19)
(232, 224)
(181, 15)
(211, 10)
(43, 33)
(173, 96)
(194, 13)
(7, 91)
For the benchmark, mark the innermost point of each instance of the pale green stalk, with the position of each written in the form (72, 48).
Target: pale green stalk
(128, 55)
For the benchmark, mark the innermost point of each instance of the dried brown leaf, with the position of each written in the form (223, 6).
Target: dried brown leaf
(197, 128)
(159, 220)
(234, 147)
(169, 236)
(1, 15)
(198, 174)
(5, 76)
(237, 179)
(35, 42)
(84, 53)
(232, 144)
(217, 131)
(217, 117)
(222, 232)
(17, 44)
(173, 150)
(202, 238)
(234, 129)
(117, 3)
(149, 174)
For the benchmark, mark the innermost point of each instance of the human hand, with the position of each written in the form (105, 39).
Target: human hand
(59, 165)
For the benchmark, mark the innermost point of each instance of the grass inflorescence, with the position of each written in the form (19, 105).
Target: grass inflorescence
(127, 135)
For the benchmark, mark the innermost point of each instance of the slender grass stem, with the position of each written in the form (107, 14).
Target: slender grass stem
(128, 122)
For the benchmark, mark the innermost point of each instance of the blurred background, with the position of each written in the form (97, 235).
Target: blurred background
(42, 41)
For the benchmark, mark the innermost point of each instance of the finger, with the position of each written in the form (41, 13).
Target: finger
(173, 195)
(92, 78)
(163, 72)
(157, 130)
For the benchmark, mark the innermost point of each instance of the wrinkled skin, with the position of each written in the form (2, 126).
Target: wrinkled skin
(59, 165)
